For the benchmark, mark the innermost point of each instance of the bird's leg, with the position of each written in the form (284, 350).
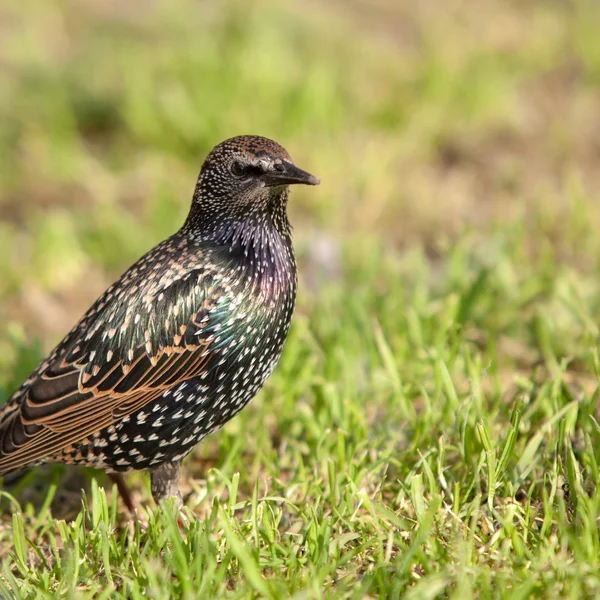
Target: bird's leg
(130, 503)
(124, 492)
(164, 480)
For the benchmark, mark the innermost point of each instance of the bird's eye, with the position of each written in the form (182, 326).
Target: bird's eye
(237, 168)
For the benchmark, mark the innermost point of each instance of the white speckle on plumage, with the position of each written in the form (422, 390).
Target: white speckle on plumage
(237, 310)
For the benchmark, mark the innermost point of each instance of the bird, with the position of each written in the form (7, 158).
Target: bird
(181, 342)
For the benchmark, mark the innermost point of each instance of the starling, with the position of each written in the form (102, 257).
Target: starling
(181, 342)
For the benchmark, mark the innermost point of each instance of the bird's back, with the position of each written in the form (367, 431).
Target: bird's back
(176, 347)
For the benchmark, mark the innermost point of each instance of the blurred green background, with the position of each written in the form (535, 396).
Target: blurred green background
(422, 119)
(439, 387)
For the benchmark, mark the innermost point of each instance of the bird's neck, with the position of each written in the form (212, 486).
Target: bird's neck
(260, 242)
(257, 228)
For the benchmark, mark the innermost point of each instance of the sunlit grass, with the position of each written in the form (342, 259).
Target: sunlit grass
(432, 428)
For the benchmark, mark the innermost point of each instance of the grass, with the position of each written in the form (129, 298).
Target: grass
(432, 429)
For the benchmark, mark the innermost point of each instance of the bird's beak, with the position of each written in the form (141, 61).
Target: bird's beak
(286, 173)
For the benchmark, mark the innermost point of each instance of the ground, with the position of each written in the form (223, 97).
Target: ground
(432, 430)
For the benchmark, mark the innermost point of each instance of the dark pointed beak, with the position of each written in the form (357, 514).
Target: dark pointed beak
(286, 174)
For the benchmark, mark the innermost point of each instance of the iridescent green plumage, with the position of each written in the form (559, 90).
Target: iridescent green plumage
(181, 342)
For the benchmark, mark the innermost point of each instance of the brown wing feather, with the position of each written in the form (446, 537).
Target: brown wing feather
(80, 390)
(91, 412)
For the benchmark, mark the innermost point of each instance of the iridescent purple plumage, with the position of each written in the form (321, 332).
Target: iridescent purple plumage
(181, 342)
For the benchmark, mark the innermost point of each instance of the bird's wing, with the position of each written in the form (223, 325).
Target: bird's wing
(126, 351)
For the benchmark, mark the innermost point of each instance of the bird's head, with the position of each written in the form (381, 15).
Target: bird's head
(245, 178)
